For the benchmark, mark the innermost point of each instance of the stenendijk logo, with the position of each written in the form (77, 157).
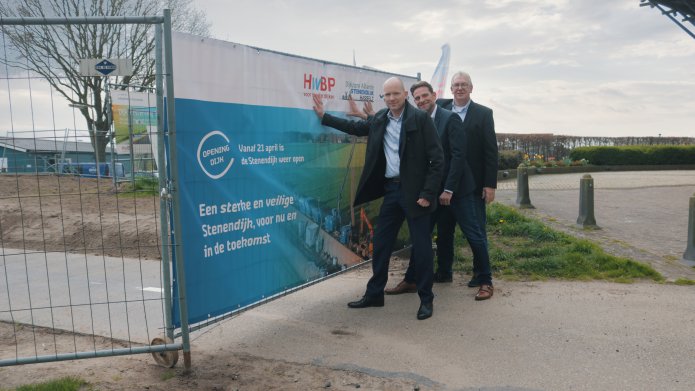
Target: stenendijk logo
(215, 154)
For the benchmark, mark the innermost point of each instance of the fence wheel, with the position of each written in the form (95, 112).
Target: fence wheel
(166, 359)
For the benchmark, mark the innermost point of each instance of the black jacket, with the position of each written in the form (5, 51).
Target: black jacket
(422, 159)
(457, 173)
(482, 143)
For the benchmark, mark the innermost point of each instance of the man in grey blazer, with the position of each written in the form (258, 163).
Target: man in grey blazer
(457, 203)
(482, 158)
(403, 164)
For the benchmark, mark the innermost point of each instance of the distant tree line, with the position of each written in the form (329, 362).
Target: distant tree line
(549, 146)
(636, 155)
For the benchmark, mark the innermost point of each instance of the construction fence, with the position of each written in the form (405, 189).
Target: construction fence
(84, 258)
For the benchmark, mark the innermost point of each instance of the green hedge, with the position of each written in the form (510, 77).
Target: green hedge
(510, 159)
(636, 155)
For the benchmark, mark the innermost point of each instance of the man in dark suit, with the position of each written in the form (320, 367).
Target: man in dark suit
(456, 198)
(482, 158)
(403, 164)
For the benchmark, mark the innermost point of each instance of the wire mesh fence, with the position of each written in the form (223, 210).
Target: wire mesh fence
(81, 240)
(79, 255)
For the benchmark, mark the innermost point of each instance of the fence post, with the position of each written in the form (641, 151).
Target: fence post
(689, 253)
(586, 203)
(522, 194)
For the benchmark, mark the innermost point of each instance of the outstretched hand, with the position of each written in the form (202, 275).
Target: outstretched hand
(366, 111)
(354, 111)
(318, 106)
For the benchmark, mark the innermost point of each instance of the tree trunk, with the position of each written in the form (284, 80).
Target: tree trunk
(101, 140)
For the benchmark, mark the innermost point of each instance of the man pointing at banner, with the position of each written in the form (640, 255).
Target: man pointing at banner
(404, 164)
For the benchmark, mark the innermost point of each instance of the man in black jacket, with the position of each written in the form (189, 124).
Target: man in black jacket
(404, 165)
(457, 203)
(482, 158)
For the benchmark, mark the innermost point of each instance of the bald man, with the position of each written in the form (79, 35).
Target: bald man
(404, 164)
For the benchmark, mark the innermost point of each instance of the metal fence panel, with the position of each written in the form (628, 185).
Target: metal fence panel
(81, 254)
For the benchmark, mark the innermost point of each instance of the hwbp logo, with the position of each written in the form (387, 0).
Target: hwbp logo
(318, 83)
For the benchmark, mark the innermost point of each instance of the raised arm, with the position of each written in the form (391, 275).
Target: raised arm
(356, 128)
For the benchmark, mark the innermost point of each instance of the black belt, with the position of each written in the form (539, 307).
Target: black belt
(395, 179)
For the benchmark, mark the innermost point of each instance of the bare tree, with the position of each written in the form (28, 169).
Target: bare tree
(54, 52)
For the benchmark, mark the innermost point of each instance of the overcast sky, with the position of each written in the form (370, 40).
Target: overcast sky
(574, 67)
(582, 67)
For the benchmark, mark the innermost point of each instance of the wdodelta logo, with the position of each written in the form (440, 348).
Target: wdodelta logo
(215, 154)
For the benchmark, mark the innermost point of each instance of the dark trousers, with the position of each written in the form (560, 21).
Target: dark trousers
(480, 206)
(464, 211)
(390, 219)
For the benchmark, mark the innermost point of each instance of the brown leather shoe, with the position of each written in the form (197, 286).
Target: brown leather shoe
(402, 287)
(485, 292)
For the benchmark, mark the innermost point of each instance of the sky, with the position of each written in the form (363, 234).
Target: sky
(583, 68)
(589, 67)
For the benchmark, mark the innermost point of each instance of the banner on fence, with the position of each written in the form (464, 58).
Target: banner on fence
(136, 110)
(266, 191)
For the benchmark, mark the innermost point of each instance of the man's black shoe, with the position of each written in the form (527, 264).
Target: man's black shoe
(425, 311)
(443, 277)
(367, 301)
(473, 283)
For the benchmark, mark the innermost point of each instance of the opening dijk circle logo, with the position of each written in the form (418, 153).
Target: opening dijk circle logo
(215, 154)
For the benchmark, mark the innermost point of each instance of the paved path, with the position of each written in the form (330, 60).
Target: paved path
(550, 336)
(642, 215)
(608, 180)
(106, 296)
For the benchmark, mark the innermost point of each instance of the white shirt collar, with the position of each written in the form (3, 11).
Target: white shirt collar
(459, 109)
(394, 118)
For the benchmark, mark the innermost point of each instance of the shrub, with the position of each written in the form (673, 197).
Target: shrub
(510, 159)
(636, 155)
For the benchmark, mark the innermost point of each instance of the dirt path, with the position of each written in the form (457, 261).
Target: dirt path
(213, 370)
(73, 214)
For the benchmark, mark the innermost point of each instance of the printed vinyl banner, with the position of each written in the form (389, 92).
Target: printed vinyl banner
(266, 191)
(132, 109)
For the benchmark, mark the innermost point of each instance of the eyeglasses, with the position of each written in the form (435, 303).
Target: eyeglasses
(460, 85)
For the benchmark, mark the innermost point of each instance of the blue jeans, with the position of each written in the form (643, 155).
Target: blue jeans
(465, 211)
(480, 206)
(391, 216)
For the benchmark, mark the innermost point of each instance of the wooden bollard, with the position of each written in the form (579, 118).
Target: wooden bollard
(522, 193)
(689, 253)
(586, 203)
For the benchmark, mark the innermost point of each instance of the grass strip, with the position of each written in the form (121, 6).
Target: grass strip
(522, 248)
(62, 384)
(143, 187)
